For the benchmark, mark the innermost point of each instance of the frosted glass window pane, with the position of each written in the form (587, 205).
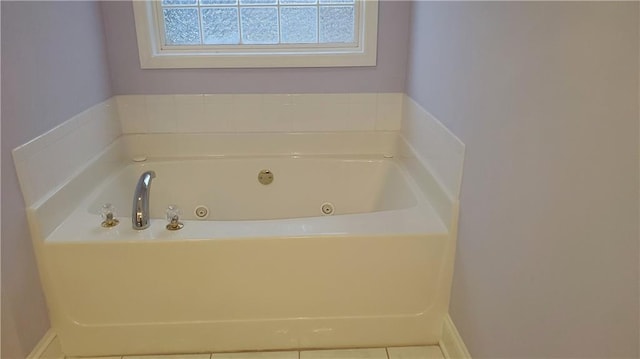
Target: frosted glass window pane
(259, 25)
(336, 24)
(179, 2)
(299, 25)
(181, 26)
(218, 2)
(298, 2)
(220, 26)
(258, 2)
(336, 2)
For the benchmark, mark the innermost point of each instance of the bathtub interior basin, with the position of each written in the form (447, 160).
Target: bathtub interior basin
(370, 196)
(230, 189)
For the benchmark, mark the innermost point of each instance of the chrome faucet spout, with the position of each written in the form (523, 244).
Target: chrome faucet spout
(140, 209)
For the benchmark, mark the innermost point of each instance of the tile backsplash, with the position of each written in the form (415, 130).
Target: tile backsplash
(259, 113)
(204, 123)
(51, 159)
(437, 148)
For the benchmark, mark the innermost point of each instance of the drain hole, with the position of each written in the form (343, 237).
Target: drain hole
(327, 209)
(201, 212)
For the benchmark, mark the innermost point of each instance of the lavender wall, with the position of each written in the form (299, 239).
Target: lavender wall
(128, 78)
(53, 67)
(545, 97)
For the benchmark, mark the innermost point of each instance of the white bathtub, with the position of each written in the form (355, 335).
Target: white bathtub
(264, 271)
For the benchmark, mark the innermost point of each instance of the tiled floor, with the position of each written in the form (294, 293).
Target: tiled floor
(423, 352)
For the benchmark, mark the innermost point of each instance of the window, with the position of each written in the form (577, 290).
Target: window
(256, 33)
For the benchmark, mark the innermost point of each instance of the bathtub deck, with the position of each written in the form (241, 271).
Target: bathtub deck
(417, 352)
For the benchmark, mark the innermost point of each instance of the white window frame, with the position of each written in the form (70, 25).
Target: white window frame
(154, 56)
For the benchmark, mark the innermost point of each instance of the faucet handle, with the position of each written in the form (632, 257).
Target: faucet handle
(108, 215)
(173, 217)
(173, 210)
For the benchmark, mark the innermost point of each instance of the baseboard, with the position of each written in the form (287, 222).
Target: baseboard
(451, 343)
(47, 348)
